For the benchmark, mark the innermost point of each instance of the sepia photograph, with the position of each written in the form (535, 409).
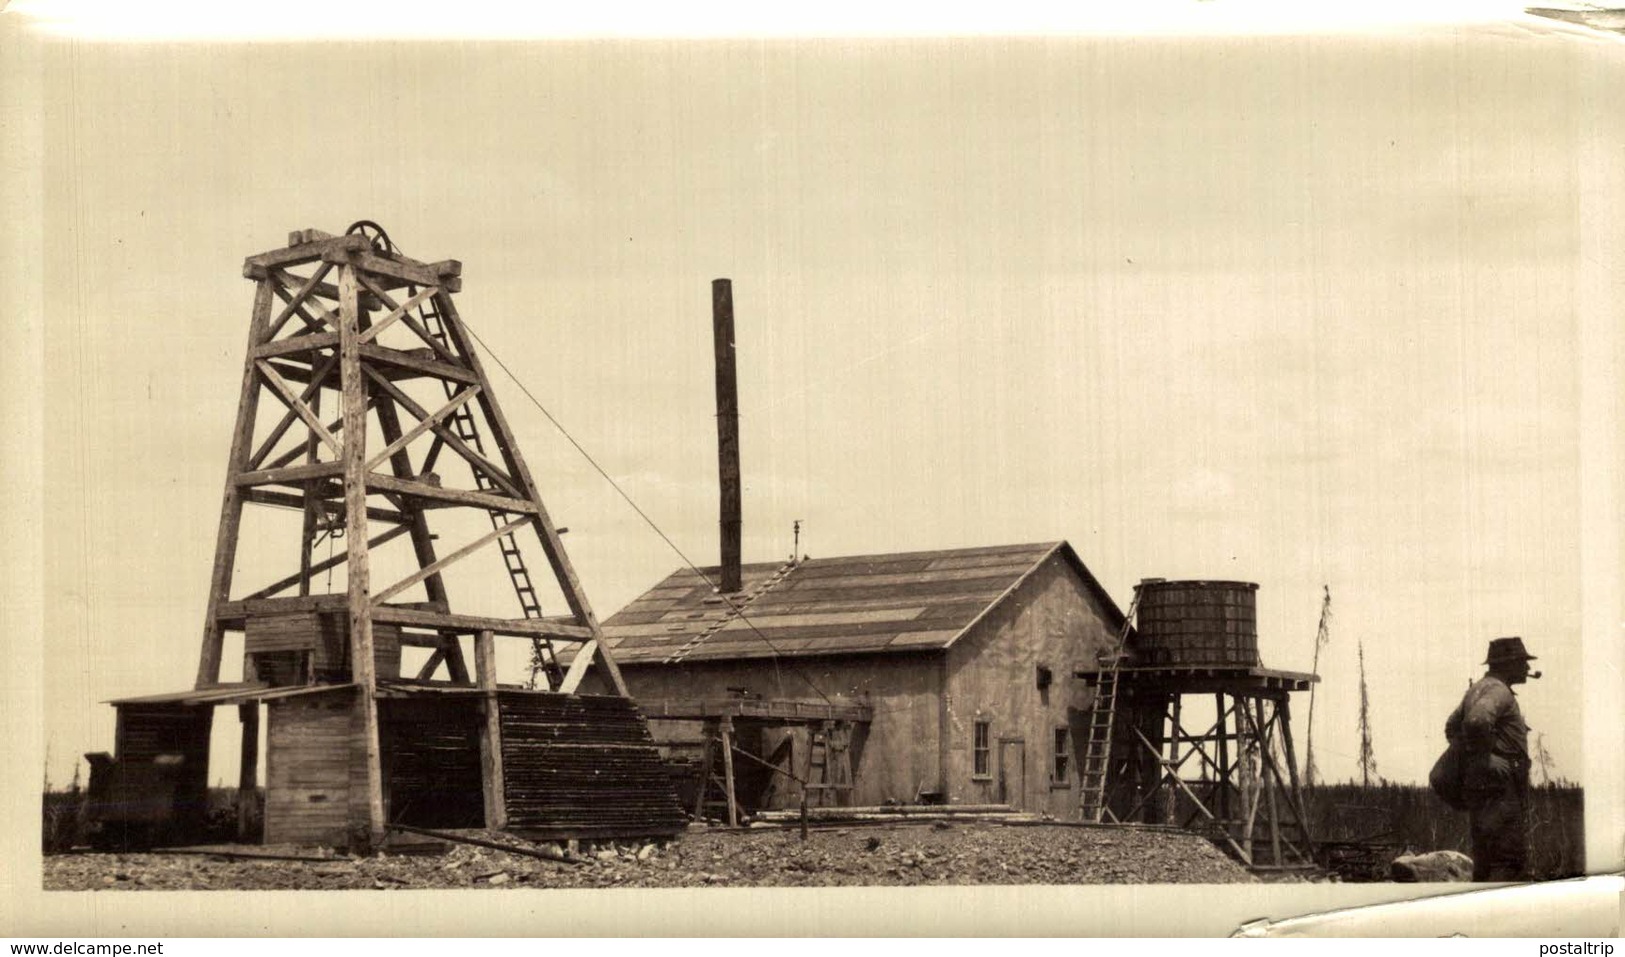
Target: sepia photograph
(1043, 467)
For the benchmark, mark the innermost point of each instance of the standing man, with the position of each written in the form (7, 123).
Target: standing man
(1494, 740)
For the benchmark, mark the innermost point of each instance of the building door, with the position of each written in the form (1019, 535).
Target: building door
(1013, 772)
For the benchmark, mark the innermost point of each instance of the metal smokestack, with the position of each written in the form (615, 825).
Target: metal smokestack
(722, 329)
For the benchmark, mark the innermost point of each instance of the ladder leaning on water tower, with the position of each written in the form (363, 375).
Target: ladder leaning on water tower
(1097, 752)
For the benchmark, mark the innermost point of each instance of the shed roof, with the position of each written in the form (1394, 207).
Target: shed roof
(911, 601)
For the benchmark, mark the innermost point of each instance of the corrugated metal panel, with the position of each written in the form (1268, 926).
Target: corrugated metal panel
(866, 603)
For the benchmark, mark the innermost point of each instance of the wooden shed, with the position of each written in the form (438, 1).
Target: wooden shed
(965, 660)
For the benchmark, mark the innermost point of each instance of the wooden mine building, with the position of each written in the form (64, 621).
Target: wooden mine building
(953, 670)
(364, 412)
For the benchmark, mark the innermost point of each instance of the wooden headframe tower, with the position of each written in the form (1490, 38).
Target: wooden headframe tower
(365, 406)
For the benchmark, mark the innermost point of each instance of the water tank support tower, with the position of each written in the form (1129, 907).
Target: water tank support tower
(1194, 654)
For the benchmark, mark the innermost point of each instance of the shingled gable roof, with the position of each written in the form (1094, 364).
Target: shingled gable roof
(914, 601)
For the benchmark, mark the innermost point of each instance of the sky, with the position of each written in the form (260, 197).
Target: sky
(1300, 310)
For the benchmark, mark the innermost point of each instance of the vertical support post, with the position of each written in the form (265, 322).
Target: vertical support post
(1283, 711)
(706, 763)
(231, 505)
(362, 664)
(247, 776)
(722, 334)
(496, 808)
(1272, 782)
(312, 502)
(1222, 795)
(728, 768)
(1171, 771)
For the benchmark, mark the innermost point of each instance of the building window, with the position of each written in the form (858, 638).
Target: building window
(1063, 754)
(982, 750)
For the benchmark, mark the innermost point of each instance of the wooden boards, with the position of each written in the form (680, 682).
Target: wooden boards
(583, 766)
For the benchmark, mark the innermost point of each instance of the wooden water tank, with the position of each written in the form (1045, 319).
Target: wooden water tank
(1198, 623)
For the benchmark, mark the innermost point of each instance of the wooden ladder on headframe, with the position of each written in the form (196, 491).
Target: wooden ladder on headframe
(1097, 752)
(466, 428)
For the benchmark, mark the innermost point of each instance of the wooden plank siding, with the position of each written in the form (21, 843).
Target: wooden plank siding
(308, 762)
(166, 749)
(1052, 621)
(269, 639)
(894, 757)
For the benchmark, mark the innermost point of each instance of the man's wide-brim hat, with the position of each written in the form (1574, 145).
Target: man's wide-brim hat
(1507, 649)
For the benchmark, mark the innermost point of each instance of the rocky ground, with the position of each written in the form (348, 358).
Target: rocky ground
(901, 854)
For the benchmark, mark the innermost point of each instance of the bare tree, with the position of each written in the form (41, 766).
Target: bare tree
(1322, 636)
(1368, 758)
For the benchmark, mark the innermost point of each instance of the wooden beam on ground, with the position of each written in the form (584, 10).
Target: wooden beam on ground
(231, 505)
(470, 624)
(423, 490)
(760, 708)
(496, 810)
(441, 564)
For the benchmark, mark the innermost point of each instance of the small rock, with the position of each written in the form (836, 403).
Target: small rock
(607, 855)
(872, 844)
(646, 852)
(498, 879)
(1433, 866)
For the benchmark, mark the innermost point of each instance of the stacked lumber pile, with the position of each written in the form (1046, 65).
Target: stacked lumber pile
(583, 766)
(897, 813)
